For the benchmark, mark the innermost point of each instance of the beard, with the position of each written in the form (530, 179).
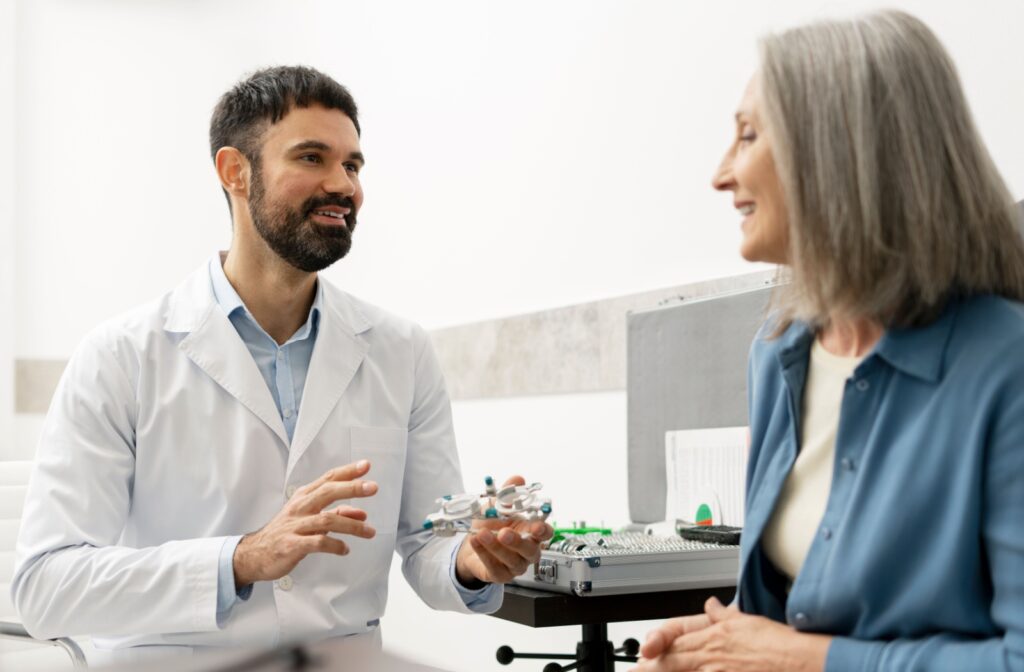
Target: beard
(293, 235)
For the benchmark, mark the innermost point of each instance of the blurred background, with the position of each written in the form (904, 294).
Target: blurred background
(521, 157)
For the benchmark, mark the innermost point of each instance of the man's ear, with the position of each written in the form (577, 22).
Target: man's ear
(234, 170)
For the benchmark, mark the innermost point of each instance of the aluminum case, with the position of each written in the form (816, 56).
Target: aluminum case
(631, 563)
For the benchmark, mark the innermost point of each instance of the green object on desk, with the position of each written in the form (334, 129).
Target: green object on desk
(563, 532)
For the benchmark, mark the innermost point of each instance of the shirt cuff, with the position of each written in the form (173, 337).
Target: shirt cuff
(227, 596)
(481, 601)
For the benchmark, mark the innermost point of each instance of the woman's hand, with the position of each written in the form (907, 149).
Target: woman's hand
(729, 640)
(660, 639)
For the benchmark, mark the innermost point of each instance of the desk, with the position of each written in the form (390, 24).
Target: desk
(594, 653)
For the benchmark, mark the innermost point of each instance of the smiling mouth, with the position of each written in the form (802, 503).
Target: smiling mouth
(330, 213)
(747, 210)
(331, 219)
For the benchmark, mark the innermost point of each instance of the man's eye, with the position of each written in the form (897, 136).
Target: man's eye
(310, 158)
(352, 167)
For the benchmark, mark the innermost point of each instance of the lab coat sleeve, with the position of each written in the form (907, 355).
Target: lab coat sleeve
(431, 470)
(480, 601)
(71, 576)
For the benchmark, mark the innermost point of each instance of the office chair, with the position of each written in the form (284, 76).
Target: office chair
(13, 485)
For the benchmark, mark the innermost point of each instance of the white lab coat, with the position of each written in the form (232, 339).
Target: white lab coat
(162, 439)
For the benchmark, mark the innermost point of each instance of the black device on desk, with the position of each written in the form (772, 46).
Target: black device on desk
(712, 534)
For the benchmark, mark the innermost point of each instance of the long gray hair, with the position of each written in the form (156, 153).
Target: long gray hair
(894, 203)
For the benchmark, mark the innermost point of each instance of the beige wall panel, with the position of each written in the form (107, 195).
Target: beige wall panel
(579, 348)
(35, 380)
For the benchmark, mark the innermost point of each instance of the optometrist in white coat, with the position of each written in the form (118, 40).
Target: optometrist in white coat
(236, 463)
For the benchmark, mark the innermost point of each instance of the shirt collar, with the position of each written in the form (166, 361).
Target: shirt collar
(313, 319)
(920, 351)
(226, 296)
(917, 351)
(230, 302)
(795, 344)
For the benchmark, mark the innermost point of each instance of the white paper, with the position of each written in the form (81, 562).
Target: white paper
(706, 467)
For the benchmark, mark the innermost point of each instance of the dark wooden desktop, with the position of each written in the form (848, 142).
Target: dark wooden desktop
(594, 653)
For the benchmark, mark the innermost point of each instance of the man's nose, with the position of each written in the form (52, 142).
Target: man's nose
(340, 181)
(723, 179)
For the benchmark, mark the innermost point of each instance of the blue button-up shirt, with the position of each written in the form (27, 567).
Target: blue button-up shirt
(918, 563)
(284, 368)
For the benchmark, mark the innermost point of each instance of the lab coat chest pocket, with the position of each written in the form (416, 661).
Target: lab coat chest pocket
(384, 447)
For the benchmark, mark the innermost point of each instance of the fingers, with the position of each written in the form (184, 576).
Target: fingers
(537, 530)
(322, 543)
(511, 550)
(494, 570)
(540, 530)
(350, 512)
(514, 480)
(512, 553)
(692, 642)
(715, 610)
(348, 521)
(347, 472)
(661, 639)
(526, 547)
(656, 644)
(332, 491)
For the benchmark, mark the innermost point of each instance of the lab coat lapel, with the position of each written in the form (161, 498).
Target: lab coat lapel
(216, 348)
(338, 353)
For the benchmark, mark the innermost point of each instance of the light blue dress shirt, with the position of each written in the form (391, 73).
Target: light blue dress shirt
(918, 562)
(284, 368)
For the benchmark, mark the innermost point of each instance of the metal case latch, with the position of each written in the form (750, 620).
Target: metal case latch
(545, 571)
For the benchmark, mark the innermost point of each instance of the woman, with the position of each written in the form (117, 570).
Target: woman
(885, 499)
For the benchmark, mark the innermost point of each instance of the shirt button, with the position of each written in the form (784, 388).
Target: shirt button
(800, 618)
(280, 355)
(289, 491)
(288, 413)
(827, 533)
(285, 582)
(846, 463)
(863, 385)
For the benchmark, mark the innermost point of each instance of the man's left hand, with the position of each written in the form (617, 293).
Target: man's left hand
(497, 551)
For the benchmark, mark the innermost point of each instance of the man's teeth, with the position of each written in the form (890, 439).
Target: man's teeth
(329, 213)
(747, 209)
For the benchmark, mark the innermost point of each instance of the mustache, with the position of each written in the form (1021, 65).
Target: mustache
(323, 201)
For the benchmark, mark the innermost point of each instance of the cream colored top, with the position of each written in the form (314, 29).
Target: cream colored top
(798, 513)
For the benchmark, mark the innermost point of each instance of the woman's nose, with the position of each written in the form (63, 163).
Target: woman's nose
(723, 179)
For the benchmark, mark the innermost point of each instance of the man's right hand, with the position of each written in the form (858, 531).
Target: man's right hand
(301, 527)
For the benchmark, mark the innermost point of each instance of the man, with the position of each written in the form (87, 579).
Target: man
(255, 396)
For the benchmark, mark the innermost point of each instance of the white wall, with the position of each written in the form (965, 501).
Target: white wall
(8, 38)
(520, 156)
